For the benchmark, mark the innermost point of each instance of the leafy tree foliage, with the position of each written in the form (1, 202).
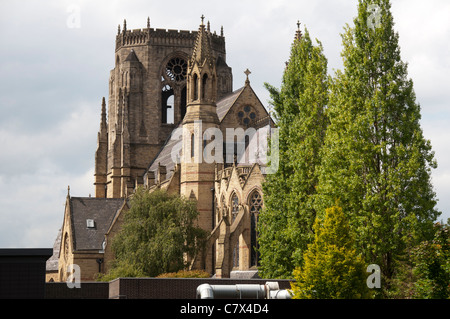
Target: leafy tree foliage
(376, 160)
(287, 220)
(158, 233)
(332, 269)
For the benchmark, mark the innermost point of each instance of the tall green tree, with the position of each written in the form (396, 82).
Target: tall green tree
(431, 261)
(376, 160)
(158, 232)
(332, 268)
(287, 220)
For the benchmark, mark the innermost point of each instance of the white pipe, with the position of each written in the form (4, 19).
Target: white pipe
(270, 291)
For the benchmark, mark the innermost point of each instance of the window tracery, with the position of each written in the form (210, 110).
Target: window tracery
(255, 204)
(176, 69)
(247, 115)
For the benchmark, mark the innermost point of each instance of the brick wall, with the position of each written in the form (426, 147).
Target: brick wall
(144, 288)
(87, 290)
(171, 288)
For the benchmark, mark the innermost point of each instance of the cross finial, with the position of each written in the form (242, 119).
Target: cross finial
(298, 34)
(148, 22)
(247, 73)
(203, 18)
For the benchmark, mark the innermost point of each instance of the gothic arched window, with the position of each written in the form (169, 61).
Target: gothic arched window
(255, 205)
(204, 85)
(234, 207)
(195, 96)
(173, 94)
(66, 247)
(167, 100)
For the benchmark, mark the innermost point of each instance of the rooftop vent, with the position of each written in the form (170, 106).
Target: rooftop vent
(90, 223)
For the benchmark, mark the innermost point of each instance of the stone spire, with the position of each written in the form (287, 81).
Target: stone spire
(202, 47)
(102, 134)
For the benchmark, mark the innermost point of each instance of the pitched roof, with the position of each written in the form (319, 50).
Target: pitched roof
(101, 211)
(132, 57)
(225, 103)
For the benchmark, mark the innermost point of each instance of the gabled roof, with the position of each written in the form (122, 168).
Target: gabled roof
(101, 211)
(132, 57)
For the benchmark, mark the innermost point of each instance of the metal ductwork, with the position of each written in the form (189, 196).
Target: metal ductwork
(268, 291)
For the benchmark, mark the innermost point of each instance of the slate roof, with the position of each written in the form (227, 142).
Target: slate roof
(101, 210)
(225, 103)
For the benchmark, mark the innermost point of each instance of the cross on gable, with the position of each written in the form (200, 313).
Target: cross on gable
(247, 73)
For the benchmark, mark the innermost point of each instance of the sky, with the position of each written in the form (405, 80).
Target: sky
(56, 55)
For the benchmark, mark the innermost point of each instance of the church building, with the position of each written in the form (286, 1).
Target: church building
(170, 96)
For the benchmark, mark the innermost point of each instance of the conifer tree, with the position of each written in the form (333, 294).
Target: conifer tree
(287, 220)
(332, 267)
(376, 160)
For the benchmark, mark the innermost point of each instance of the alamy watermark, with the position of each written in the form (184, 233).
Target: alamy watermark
(74, 19)
(374, 280)
(74, 278)
(240, 146)
(374, 19)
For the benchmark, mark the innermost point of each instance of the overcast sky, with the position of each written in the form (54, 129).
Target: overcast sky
(55, 58)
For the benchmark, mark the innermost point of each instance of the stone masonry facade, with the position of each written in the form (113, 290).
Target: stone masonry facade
(163, 81)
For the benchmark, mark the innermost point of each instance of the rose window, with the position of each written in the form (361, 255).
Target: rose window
(176, 69)
(247, 115)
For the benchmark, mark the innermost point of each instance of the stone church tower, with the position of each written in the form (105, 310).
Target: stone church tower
(197, 175)
(147, 100)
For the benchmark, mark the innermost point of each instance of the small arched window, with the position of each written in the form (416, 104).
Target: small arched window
(195, 79)
(234, 207)
(204, 85)
(192, 145)
(167, 105)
